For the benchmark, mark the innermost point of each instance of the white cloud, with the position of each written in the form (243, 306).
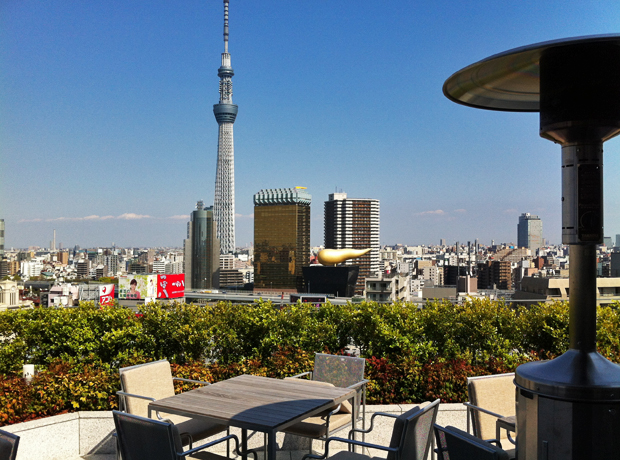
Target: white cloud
(179, 217)
(437, 212)
(132, 216)
(460, 211)
(243, 216)
(93, 217)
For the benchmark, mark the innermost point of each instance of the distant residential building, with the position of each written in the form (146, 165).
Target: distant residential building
(101, 271)
(432, 273)
(281, 239)
(495, 274)
(63, 257)
(31, 268)
(227, 261)
(615, 264)
(550, 289)
(1, 237)
(388, 289)
(137, 267)
(529, 232)
(202, 250)
(607, 242)
(354, 223)
(230, 278)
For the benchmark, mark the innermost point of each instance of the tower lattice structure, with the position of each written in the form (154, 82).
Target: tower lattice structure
(225, 114)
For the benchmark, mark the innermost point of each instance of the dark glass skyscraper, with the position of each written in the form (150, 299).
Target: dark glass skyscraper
(281, 239)
(202, 250)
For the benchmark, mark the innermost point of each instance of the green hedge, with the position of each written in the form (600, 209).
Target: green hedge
(413, 354)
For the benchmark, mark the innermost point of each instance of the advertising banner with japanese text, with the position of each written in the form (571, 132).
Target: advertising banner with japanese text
(171, 286)
(106, 294)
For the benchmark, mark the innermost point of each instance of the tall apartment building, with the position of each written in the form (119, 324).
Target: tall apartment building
(354, 223)
(529, 232)
(1, 237)
(202, 250)
(495, 274)
(281, 239)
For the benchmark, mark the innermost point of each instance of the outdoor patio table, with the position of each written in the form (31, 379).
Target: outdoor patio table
(255, 403)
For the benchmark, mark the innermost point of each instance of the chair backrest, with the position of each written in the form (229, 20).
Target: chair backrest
(340, 371)
(461, 445)
(495, 393)
(8, 445)
(345, 406)
(141, 438)
(413, 432)
(152, 379)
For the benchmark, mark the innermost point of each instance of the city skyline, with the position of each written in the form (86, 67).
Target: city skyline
(108, 134)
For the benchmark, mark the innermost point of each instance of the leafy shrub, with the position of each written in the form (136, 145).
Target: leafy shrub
(412, 354)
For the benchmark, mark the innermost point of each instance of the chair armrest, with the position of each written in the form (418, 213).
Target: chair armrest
(480, 409)
(122, 393)
(359, 384)
(372, 421)
(148, 398)
(302, 374)
(179, 379)
(217, 441)
(351, 442)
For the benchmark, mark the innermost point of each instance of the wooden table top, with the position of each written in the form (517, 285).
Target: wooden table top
(256, 403)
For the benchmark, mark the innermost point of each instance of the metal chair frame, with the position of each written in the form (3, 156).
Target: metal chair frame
(169, 426)
(352, 443)
(9, 443)
(123, 395)
(471, 408)
(442, 440)
(359, 387)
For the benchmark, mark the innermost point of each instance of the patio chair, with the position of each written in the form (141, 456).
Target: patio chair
(455, 444)
(8, 445)
(144, 383)
(411, 436)
(142, 438)
(491, 397)
(339, 371)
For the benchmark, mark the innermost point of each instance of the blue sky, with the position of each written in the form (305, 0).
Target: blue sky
(107, 132)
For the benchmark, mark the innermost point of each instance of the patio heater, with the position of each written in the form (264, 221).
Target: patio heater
(569, 407)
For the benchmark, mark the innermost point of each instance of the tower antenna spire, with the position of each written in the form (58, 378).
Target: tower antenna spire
(226, 26)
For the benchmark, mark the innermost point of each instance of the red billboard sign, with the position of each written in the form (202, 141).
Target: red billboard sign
(106, 294)
(170, 286)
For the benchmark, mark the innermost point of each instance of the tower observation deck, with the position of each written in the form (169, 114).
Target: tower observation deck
(225, 113)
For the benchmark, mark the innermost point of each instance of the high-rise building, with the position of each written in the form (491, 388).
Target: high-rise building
(1, 237)
(202, 250)
(354, 223)
(281, 239)
(529, 232)
(225, 113)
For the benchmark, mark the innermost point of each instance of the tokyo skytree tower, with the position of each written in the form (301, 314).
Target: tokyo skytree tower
(225, 114)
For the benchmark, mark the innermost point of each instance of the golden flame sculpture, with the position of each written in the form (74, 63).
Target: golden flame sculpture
(337, 256)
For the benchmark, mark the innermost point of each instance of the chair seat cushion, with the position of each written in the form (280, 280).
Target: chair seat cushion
(314, 427)
(345, 406)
